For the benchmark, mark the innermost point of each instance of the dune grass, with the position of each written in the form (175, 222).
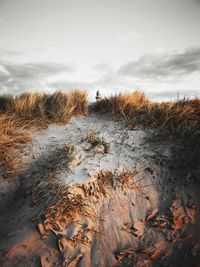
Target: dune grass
(12, 137)
(19, 113)
(6, 103)
(180, 118)
(29, 105)
(126, 105)
(58, 107)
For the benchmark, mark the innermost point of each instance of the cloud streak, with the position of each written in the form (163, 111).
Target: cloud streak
(17, 76)
(163, 65)
(157, 72)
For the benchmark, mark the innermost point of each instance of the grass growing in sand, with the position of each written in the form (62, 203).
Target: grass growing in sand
(58, 107)
(33, 109)
(12, 137)
(95, 141)
(180, 118)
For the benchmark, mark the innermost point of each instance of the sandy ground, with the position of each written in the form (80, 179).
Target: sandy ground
(122, 198)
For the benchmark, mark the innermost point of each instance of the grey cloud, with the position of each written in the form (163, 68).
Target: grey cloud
(14, 53)
(163, 65)
(36, 70)
(108, 84)
(15, 76)
(110, 79)
(111, 84)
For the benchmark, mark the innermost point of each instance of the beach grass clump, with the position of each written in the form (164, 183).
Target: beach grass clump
(180, 118)
(78, 99)
(60, 106)
(30, 105)
(30, 109)
(40, 107)
(127, 105)
(7, 103)
(12, 138)
(57, 107)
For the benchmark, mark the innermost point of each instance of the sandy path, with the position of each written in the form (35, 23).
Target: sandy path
(127, 148)
(139, 221)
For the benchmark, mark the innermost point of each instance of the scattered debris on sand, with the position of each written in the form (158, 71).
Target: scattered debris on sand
(98, 194)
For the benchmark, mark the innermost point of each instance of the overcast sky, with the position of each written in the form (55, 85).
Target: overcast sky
(111, 45)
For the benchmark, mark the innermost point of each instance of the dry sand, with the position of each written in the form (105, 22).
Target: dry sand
(122, 198)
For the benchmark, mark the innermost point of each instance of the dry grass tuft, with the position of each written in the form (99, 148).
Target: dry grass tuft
(33, 109)
(78, 99)
(6, 103)
(60, 106)
(96, 141)
(180, 118)
(123, 104)
(12, 137)
(40, 107)
(49, 186)
(30, 105)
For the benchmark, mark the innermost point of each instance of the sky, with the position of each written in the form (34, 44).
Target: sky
(110, 45)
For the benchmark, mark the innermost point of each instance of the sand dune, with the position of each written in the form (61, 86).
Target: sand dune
(98, 194)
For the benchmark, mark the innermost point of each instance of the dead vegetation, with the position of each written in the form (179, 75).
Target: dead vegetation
(180, 118)
(126, 105)
(77, 210)
(75, 215)
(12, 138)
(73, 200)
(58, 107)
(79, 217)
(19, 113)
(97, 142)
(48, 185)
